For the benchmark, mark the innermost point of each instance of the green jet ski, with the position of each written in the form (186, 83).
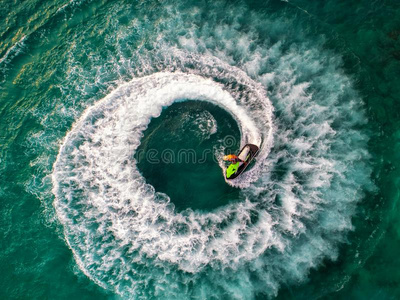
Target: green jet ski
(241, 161)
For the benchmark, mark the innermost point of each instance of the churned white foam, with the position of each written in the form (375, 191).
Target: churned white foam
(205, 124)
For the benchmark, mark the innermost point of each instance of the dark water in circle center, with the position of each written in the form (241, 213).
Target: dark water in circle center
(177, 154)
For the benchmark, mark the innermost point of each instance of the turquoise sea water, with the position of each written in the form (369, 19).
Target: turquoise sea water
(89, 88)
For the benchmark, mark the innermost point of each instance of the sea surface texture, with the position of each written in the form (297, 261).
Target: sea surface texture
(115, 116)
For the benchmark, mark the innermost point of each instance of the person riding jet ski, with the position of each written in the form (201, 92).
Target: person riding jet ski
(233, 158)
(240, 162)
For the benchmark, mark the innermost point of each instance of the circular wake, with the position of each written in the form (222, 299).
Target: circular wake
(94, 167)
(296, 202)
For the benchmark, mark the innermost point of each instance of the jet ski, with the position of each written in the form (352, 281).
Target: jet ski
(241, 161)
